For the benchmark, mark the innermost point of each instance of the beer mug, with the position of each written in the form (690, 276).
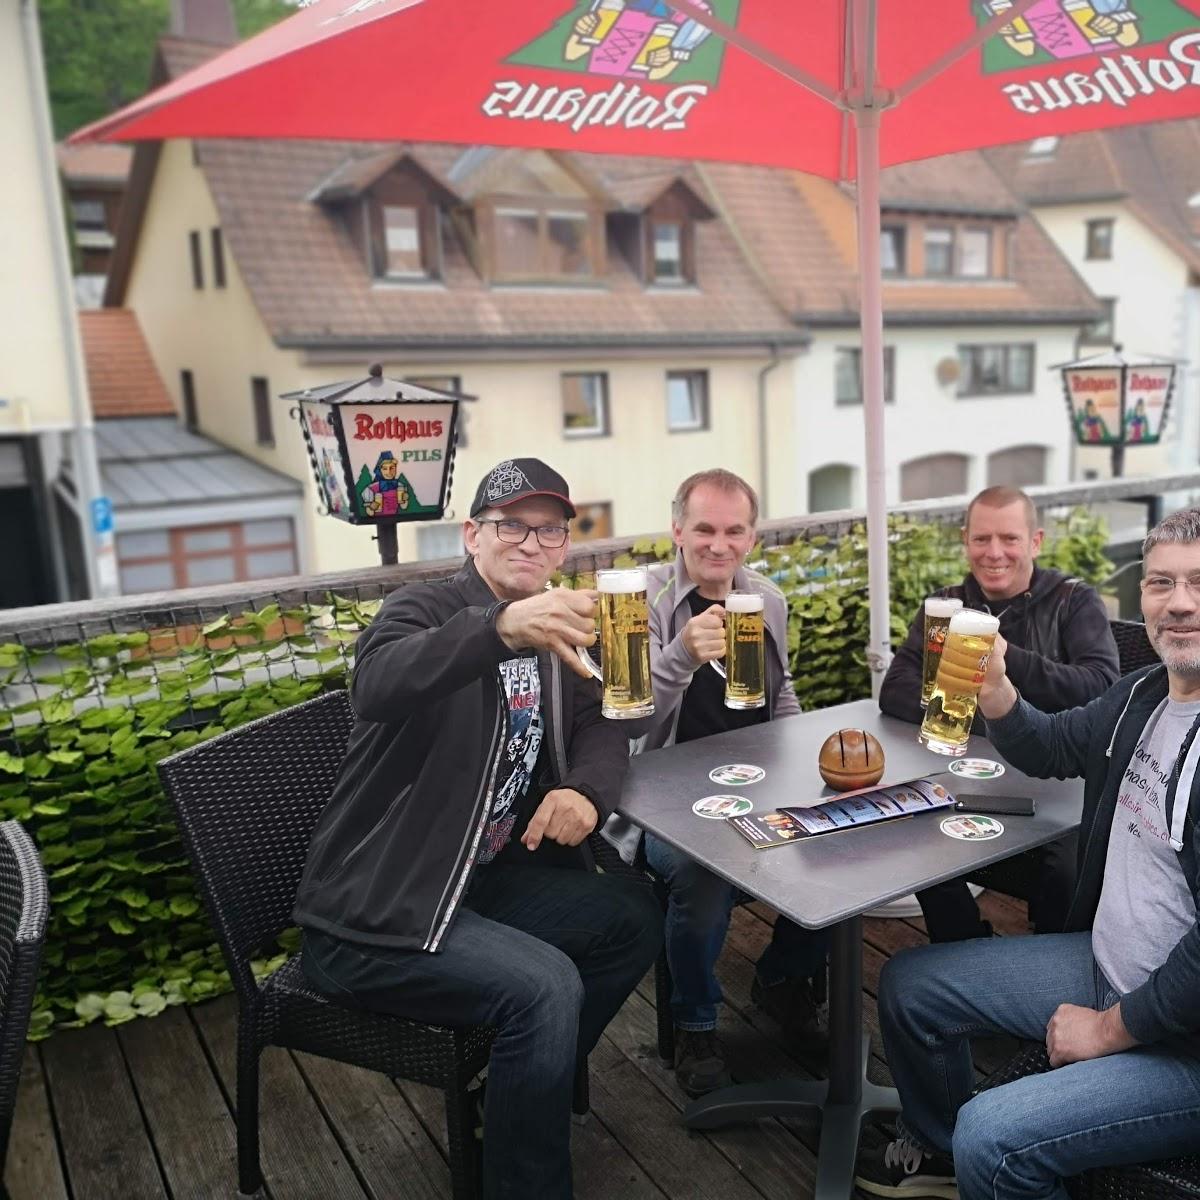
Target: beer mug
(960, 672)
(624, 644)
(938, 611)
(745, 667)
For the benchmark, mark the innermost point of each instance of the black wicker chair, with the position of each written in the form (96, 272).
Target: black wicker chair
(247, 802)
(24, 908)
(1133, 646)
(1168, 1179)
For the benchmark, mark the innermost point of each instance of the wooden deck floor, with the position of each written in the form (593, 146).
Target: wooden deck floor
(144, 1110)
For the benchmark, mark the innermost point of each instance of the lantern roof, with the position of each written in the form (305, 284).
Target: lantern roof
(376, 387)
(1116, 358)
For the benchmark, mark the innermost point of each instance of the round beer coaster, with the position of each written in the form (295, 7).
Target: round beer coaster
(972, 829)
(737, 774)
(719, 807)
(977, 768)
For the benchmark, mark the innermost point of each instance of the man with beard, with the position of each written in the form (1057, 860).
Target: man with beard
(1116, 998)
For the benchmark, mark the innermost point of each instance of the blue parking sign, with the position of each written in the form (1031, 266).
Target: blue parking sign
(102, 515)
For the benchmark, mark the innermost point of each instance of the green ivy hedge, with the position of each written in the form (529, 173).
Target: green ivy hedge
(90, 719)
(88, 723)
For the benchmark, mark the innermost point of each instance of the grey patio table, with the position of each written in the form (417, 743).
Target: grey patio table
(828, 880)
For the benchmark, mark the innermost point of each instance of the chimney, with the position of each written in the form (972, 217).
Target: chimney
(204, 21)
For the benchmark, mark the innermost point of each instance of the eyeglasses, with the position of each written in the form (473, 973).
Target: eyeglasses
(1161, 587)
(515, 532)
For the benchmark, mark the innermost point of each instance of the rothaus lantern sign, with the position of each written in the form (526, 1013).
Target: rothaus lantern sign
(382, 451)
(1117, 401)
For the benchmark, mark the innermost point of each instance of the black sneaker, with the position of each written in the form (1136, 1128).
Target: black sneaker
(699, 1067)
(902, 1168)
(793, 1007)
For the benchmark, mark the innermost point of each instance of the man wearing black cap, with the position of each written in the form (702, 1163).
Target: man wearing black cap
(434, 887)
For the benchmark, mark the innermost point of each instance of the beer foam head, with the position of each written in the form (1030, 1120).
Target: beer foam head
(974, 624)
(631, 579)
(743, 602)
(941, 606)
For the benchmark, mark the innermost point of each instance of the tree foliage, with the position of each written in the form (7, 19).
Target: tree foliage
(98, 52)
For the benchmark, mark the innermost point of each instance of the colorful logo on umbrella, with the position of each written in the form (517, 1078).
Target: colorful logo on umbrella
(1051, 32)
(643, 40)
(625, 44)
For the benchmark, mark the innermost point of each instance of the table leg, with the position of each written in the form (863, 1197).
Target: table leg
(843, 1101)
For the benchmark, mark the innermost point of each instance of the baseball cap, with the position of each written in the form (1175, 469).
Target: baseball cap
(516, 479)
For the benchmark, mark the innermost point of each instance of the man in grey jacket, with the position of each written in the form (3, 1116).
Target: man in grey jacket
(1116, 998)
(713, 523)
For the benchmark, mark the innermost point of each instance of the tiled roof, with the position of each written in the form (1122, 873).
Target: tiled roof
(1154, 168)
(779, 252)
(311, 287)
(97, 162)
(801, 229)
(122, 378)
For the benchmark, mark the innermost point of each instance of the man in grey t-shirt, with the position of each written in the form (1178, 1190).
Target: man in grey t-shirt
(1116, 998)
(1146, 905)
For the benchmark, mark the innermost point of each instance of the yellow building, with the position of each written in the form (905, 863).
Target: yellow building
(599, 310)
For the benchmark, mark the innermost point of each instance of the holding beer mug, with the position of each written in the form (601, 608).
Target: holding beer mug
(938, 611)
(624, 644)
(745, 665)
(960, 674)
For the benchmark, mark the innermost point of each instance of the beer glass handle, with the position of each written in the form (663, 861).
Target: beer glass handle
(718, 666)
(586, 659)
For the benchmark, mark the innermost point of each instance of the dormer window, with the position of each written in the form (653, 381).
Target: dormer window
(892, 250)
(535, 243)
(960, 251)
(975, 253)
(401, 242)
(390, 208)
(667, 245)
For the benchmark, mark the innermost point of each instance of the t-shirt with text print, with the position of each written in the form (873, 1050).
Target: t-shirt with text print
(1145, 905)
(522, 687)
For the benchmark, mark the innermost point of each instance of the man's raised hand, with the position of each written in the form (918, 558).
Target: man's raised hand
(558, 620)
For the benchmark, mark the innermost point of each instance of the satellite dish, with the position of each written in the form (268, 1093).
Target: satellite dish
(948, 371)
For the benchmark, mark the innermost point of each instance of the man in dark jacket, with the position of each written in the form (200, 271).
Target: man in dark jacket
(1117, 997)
(435, 886)
(1061, 653)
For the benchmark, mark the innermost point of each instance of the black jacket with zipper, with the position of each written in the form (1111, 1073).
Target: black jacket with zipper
(1060, 652)
(393, 851)
(1097, 741)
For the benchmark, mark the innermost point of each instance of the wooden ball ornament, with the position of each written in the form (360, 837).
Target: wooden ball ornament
(851, 759)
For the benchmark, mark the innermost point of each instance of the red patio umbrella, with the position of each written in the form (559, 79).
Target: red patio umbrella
(833, 87)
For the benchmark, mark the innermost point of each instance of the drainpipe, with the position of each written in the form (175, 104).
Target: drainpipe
(87, 480)
(763, 464)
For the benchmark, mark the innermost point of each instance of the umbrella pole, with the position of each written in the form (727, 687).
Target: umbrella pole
(866, 128)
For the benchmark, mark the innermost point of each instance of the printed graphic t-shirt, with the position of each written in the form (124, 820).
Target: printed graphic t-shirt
(1145, 903)
(522, 687)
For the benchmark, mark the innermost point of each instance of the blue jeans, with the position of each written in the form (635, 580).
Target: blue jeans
(545, 955)
(1018, 1141)
(698, 909)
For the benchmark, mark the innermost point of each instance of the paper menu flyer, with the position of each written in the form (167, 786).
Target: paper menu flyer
(790, 824)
